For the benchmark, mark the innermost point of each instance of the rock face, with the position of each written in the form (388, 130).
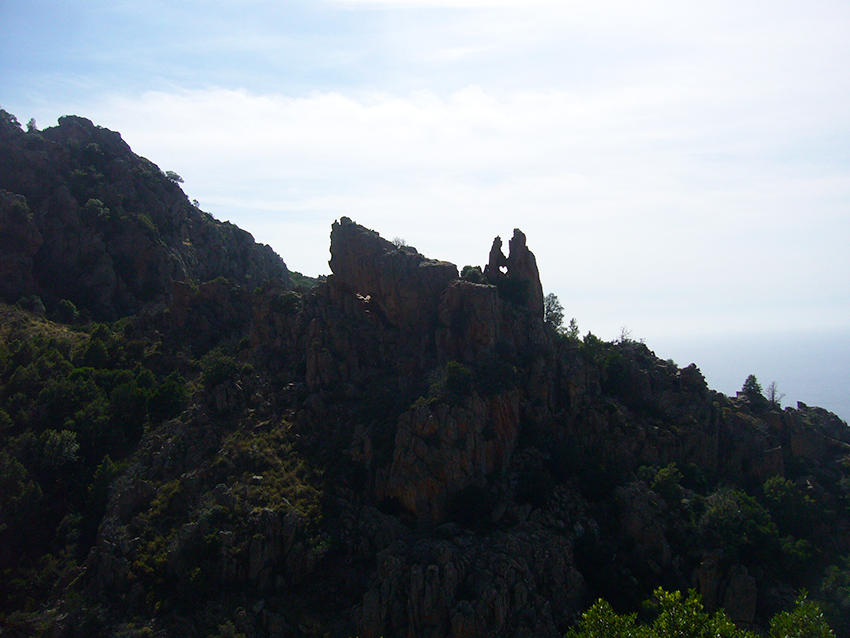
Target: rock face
(461, 587)
(88, 220)
(441, 450)
(404, 285)
(518, 271)
(20, 241)
(469, 321)
(397, 452)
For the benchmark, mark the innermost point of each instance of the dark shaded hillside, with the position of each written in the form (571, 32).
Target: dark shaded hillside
(398, 451)
(85, 219)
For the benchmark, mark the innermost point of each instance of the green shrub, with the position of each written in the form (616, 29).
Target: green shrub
(167, 399)
(216, 368)
(95, 354)
(458, 379)
(752, 388)
(804, 621)
(601, 621)
(128, 410)
(592, 348)
(571, 332)
(835, 590)
(472, 274)
(59, 449)
(451, 385)
(684, 617)
(678, 617)
(66, 312)
(553, 311)
(736, 522)
(94, 211)
(753, 391)
(793, 511)
(665, 481)
(227, 630)
(286, 302)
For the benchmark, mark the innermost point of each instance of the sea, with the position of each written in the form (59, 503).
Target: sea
(810, 367)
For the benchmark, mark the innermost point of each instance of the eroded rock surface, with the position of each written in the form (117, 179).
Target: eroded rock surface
(404, 284)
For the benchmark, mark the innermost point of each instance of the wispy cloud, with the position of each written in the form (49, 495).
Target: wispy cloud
(677, 167)
(634, 200)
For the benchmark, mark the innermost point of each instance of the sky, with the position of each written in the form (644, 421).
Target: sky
(681, 169)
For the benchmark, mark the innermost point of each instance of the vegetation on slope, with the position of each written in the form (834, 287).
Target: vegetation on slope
(237, 458)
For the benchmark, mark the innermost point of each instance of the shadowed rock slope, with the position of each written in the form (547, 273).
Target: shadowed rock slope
(85, 219)
(464, 471)
(399, 451)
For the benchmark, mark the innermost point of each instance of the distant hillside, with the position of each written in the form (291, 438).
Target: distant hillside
(85, 219)
(397, 449)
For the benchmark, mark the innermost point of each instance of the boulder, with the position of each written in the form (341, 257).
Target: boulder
(642, 520)
(708, 578)
(739, 601)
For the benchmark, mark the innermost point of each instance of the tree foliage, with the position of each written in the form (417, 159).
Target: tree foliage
(71, 402)
(572, 330)
(804, 621)
(472, 274)
(752, 388)
(553, 311)
(680, 616)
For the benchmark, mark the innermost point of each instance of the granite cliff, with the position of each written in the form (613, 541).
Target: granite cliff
(481, 474)
(398, 451)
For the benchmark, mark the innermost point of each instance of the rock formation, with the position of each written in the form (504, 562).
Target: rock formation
(86, 219)
(397, 452)
(441, 450)
(404, 285)
(518, 270)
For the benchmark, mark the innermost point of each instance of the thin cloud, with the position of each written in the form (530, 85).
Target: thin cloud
(676, 166)
(617, 193)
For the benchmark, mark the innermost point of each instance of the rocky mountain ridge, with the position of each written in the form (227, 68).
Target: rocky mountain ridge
(83, 218)
(403, 450)
(483, 475)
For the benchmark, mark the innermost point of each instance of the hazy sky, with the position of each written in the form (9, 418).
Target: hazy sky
(680, 168)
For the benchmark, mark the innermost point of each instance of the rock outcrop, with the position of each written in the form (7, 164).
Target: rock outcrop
(441, 450)
(461, 587)
(398, 451)
(470, 321)
(87, 220)
(403, 284)
(517, 272)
